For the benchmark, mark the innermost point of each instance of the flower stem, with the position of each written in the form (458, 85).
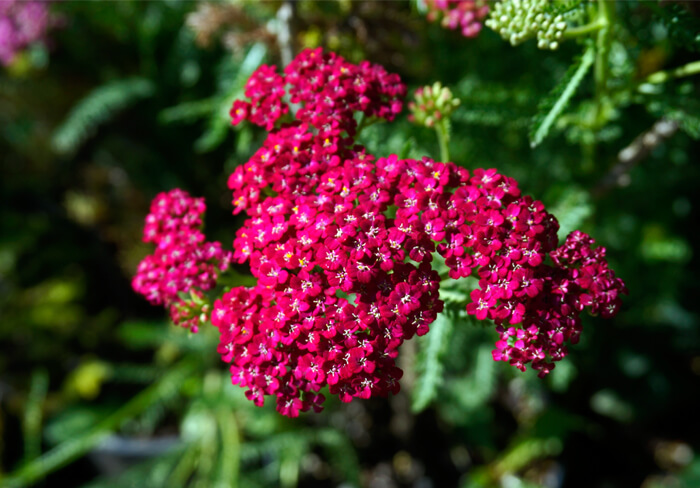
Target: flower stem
(583, 30)
(443, 134)
(664, 76)
(601, 71)
(603, 43)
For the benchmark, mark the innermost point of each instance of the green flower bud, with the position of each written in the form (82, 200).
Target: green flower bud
(519, 20)
(432, 103)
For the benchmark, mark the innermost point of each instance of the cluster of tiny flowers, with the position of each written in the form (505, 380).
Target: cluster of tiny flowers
(334, 298)
(580, 279)
(465, 15)
(21, 24)
(183, 263)
(342, 243)
(519, 20)
(327, 89)
(432, 103)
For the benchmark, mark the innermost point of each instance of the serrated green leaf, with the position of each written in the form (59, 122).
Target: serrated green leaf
(429, 362)
(554, 104)
(99, 106)
(474, 390)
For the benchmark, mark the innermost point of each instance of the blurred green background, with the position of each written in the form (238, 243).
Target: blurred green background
(131, 98)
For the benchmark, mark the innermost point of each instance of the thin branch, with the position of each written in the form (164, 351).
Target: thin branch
(284, 32)
(664, 76)
(633, 154)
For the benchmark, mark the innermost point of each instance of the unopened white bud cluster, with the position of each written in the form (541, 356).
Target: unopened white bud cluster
(519, 20)
(431, 104)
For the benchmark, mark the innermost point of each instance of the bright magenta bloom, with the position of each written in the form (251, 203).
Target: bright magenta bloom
(342, 245)
(465, 15)
(183, 262)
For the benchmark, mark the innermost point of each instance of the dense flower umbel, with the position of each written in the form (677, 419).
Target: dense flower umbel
(342, 245)
(519, 20)
(183, 262)
(21, 23)
(465, 15)
(431, 104)
(328, 90)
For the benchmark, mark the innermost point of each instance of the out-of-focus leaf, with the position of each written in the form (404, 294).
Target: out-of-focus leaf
(429, 362)
(572, 211)
(98, 107)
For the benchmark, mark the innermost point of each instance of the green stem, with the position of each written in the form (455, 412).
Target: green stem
(443, 135)
(230, 447)
(601, 72)
(33, 414)
(664, 76)
(603, 43)
(583, 30)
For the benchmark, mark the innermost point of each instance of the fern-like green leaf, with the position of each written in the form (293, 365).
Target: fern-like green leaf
(98, 107)
(475, 389)
(429, 362)
(187, 111)
(554, 104)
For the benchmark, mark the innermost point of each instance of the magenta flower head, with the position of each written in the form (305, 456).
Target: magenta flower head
(342, 245)
(183, 263)
(465, 15)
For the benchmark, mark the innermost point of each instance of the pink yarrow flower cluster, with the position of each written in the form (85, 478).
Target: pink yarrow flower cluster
(343, 244)
(22, 22)
(580, 279)
(328, 90)
(183, 262)
(465, 15)
(343, 247)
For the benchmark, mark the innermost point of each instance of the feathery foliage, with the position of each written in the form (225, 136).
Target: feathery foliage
(429, 362)
(97, 108)
(551, 107)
